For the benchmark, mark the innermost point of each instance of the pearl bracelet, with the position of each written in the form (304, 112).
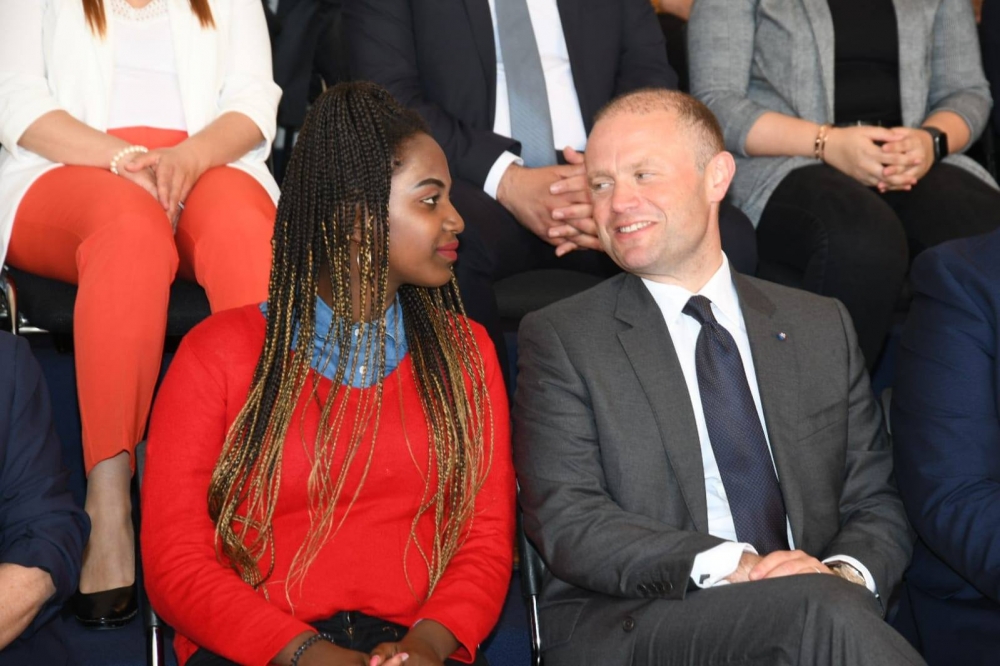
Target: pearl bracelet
(128, 150)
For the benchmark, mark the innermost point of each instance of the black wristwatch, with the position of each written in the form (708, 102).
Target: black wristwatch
(940, 141)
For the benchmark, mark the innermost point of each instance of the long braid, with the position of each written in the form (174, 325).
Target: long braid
(336, 186)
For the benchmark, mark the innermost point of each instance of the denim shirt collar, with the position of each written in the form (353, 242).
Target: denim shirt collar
(326, 357)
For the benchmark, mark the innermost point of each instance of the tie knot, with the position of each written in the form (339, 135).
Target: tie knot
(700, 308)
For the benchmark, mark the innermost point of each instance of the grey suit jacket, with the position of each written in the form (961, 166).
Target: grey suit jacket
(752, 56)
(609, 462)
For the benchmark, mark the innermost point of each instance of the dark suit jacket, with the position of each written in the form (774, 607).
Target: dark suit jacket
(40, 526)
(439, 57)
(946, 432)
(609, 461)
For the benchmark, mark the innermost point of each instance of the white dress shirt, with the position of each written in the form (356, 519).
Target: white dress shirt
(712, 566)
(568, 128)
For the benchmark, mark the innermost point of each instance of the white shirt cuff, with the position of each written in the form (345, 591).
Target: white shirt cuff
(847, 559)
(497, 171)
(713, 565)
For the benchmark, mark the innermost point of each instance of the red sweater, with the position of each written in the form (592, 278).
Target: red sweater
(361, 567)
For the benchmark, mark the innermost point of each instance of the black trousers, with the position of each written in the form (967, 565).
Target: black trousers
(824, 232)
(351, 630)
(494, 245)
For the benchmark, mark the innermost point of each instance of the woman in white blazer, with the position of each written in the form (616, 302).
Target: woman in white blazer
(134, 134)
(848, 119)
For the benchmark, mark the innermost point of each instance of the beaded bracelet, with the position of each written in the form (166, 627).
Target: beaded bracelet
(309, 642)
(128, 150)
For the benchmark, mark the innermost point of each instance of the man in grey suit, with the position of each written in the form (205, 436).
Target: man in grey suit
(681, 427)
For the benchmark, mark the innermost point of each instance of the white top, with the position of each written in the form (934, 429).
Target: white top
(145, 91)
(712, 566)
(51, 60)
(568, 128)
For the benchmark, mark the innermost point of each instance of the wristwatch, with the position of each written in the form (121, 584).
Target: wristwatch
(940, 141)
(848, 573)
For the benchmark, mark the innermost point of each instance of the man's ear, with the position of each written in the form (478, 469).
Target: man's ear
(719, 174)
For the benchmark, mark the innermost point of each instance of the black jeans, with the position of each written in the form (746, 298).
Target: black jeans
(351, 630)
(495, 245)
(824, 232)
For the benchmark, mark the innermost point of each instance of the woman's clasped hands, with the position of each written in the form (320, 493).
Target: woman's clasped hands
(888, 159)
(168, 174)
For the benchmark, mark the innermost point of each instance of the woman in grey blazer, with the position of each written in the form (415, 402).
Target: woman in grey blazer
(841, 114)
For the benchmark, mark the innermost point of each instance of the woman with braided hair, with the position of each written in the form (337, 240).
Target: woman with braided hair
(329, 477)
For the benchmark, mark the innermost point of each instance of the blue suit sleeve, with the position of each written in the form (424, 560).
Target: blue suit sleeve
(40, 526)
(944, 415)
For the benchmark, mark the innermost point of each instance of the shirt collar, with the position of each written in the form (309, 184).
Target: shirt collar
(719, 289)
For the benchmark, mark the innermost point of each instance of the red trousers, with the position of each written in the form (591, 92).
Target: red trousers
(86, 226)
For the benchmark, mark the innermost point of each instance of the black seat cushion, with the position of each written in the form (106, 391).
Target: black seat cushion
(48, 303)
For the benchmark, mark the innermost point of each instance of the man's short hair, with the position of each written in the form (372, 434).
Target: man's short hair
(694, 115)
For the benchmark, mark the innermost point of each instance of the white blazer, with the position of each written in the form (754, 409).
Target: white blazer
(50, 59)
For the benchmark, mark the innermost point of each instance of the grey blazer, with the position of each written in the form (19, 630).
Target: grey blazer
(609, 463)
(752, 56)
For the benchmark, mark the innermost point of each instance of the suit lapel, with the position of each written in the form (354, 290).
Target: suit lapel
(776, 366)
(482, 32)
(821, 21)
(650, 351)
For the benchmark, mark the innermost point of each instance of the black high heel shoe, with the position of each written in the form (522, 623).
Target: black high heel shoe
(108, 609)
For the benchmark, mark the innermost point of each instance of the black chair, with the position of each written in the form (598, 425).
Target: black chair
(532, 573)
(156, 641)
(35, 304)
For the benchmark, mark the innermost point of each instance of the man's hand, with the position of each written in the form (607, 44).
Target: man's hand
(787, 563)
(579, 231)
(856, 152)
(907, 159)
(532, 195)
(742, 574)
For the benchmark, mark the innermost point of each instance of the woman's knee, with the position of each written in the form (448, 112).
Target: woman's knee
(137, 237)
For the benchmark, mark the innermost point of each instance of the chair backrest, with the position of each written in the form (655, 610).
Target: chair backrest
(532, 573)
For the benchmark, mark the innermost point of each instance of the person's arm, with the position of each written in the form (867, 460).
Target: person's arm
(642, 61)
(246, 118)
(874, 529)
(42, 532)
(25, 591)
(202, 598)
(584, 536)
(470, 595)
(944, 418)
(382, 47)
(957, 83)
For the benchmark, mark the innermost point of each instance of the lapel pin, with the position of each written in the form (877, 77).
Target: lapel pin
(781, 336)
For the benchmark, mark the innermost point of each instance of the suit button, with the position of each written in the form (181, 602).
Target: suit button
(628, 624)
(642, 588)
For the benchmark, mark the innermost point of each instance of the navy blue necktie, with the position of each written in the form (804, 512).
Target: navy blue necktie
(736, 435)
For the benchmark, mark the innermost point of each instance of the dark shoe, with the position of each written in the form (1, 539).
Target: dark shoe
(108, 609)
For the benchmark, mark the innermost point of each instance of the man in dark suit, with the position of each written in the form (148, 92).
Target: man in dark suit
(446, 60)
(681, 426)
(42, 532)
(946, 443)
